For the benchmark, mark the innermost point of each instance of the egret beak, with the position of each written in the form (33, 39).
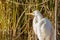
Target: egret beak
(30, 14)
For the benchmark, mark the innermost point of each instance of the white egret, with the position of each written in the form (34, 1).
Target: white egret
(42, 27)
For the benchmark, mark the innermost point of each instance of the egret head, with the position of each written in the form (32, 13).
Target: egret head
(37, 13)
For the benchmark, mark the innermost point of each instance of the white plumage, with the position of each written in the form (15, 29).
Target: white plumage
(42, 27)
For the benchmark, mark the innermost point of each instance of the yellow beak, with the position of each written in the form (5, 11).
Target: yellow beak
(30, 14)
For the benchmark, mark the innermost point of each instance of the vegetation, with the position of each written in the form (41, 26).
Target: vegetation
(15, 24)
(58, 20)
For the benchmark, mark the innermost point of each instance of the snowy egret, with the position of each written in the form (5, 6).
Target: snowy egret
(42, 26)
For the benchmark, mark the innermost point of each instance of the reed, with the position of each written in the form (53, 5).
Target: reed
(15, 24)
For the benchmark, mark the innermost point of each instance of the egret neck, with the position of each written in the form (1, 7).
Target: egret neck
(38, 18)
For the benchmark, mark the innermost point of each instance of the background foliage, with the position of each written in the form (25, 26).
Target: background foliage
(15, 24)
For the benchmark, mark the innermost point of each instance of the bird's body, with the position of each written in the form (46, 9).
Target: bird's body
(42, 27)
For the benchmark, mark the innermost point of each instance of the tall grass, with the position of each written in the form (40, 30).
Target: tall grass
(15, 25)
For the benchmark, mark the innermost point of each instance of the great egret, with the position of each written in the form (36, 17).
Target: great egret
(42, 27)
